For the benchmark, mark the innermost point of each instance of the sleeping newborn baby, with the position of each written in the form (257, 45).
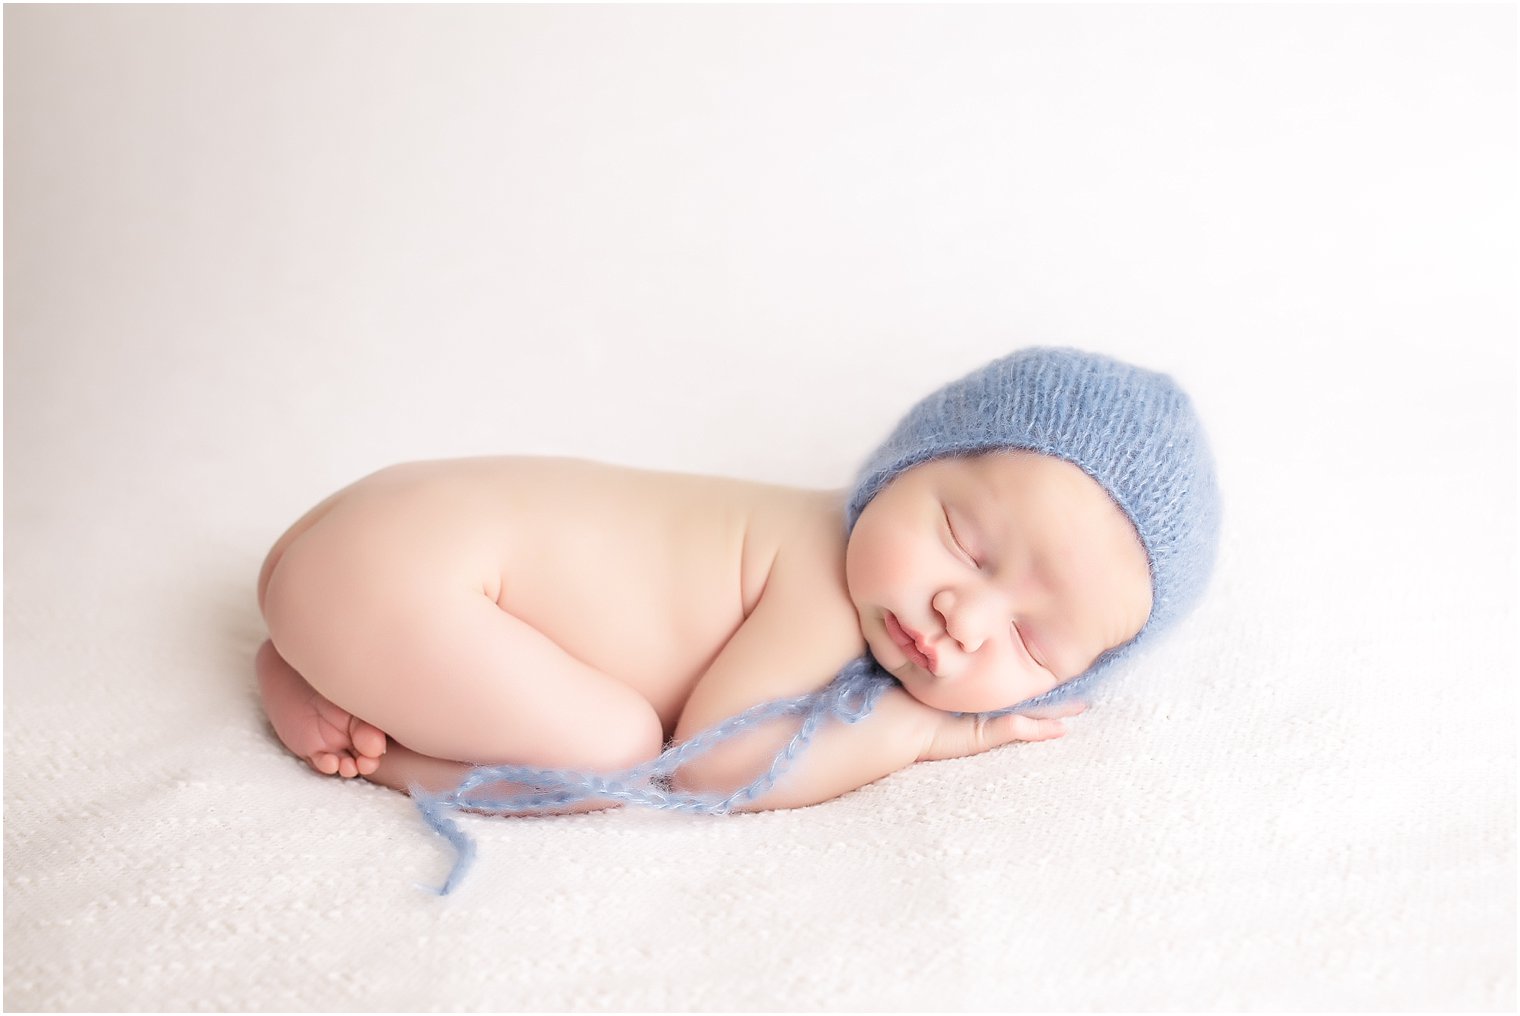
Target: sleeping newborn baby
(1016, 535)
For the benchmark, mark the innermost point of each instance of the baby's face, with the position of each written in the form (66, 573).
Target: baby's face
(984, 581)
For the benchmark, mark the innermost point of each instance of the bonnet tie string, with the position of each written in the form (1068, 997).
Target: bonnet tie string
(850, 697)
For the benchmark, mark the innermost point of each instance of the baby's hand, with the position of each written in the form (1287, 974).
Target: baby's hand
(955, 736)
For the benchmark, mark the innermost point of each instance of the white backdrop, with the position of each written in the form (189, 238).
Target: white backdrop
(252, 253)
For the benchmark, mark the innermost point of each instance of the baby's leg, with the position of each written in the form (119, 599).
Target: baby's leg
(335, 742)
(332, 740)
(401, 768)
(443, 670)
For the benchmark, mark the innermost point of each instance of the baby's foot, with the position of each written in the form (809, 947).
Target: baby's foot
(331, 739)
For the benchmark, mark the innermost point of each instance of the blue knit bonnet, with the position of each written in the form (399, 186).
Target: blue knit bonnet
(1134, 431)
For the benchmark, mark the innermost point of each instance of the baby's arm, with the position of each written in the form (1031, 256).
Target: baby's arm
(792, 643)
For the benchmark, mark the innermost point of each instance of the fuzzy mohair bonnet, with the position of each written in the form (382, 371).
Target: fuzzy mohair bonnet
(1133, 430)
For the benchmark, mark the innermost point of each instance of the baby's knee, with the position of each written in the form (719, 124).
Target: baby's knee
(633, 741)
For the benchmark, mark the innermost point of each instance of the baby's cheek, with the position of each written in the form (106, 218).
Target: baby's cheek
(867, 569)
(1007, 678)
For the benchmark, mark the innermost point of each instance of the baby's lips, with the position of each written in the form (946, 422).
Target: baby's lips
(930, 655)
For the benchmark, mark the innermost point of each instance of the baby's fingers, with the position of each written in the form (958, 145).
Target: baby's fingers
(1034, 728)
(959, 736)
(1068, 708)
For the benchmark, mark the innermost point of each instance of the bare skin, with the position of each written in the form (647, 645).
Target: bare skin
(332, 740)
(555, 612)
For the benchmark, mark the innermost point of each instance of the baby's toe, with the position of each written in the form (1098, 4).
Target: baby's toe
(366, 764)
(324, 762)
(347, 769)
(367, 738)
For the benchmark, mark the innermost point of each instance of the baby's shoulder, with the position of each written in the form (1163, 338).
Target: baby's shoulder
(795, 546)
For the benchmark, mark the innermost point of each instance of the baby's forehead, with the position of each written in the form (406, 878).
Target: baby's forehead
(1037, 486)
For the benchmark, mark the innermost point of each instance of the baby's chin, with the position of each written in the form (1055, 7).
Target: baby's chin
(946, 702)
(935, 694)
(929, 691)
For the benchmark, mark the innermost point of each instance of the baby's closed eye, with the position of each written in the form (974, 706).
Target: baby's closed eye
(1029, 646)
(960, 544)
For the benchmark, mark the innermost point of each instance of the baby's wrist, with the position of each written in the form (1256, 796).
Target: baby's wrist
(909, 722)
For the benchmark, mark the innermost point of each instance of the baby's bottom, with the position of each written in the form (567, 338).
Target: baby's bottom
(360, 650)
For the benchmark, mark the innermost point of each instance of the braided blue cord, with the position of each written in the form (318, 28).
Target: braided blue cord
(850, 697)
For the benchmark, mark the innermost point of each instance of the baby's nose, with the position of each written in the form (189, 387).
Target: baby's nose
(964, 617)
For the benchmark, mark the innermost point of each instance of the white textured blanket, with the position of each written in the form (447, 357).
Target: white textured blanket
(252, 253)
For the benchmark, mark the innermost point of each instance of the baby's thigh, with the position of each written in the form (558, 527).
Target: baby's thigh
(424, 654)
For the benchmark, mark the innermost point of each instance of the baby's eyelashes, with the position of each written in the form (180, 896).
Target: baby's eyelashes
(959, 545)
(1025, 642)
(1030, 648)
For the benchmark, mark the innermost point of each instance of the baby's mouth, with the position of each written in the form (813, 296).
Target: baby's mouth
(909, 642)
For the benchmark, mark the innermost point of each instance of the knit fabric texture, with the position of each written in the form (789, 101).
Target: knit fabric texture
(1132, 430)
